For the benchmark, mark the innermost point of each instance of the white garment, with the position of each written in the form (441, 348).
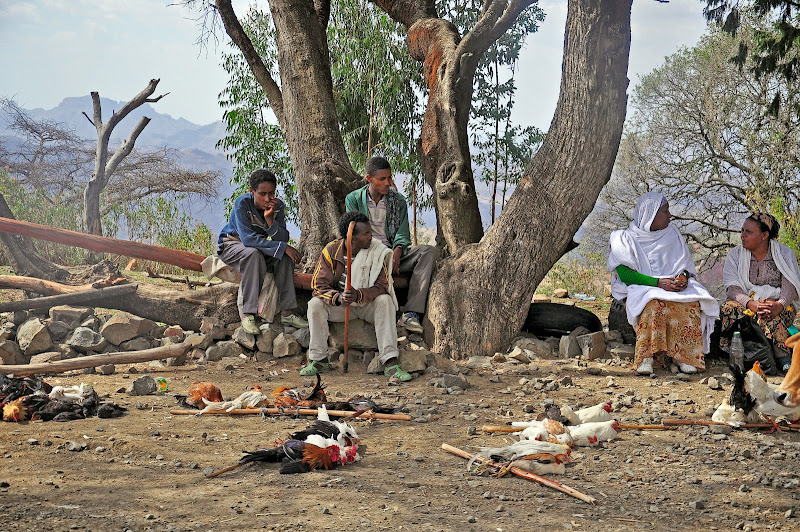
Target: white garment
(662, 254)
(737, 271)
(213, 266)
(369, 263)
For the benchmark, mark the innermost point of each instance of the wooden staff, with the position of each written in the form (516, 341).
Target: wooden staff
(288, 411)
(92, 294)
(702, 422)
(348, 286)
(524, 474)
(507, 429)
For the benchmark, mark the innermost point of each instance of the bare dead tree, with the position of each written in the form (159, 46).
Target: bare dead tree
(105, 163)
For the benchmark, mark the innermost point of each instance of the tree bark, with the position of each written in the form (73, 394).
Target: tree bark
(21, 253)
(306, 113)
(476, 306)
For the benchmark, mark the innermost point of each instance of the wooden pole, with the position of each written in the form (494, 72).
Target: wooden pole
(703, 422)
(507, 429)
(523, 474)
(183, 259)
(128, 357)
(288, 411)
(68, 299)
(348, 286)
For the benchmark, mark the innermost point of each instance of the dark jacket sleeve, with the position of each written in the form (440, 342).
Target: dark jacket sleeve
(403, 236)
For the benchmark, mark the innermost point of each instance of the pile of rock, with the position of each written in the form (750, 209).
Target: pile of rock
(69, 332)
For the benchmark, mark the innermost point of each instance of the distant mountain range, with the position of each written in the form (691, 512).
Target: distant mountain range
(195, 145)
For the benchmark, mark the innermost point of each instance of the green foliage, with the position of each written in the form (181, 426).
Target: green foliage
(586, 275)
(773, 48)
(159, 221)
(36, 206)
(252, 141)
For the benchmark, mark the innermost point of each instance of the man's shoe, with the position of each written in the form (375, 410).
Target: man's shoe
(293, 320)
(397, 373)
(316, 366)
(249, 325)
(410, 320)
(646, 367)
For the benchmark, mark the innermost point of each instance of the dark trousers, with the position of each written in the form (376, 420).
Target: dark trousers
(420, 261)
(253, 266)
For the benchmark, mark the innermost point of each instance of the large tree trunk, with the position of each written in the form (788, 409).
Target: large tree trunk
(450, 62)
(22, 255)
(306, 112)
(480, 296)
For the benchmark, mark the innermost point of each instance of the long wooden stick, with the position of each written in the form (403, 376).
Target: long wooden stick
(289, 411)
(524, 474)
(127, 357)
(507, 429)
(218, 472)
(47, 302)
(703, 422)
(348, 286)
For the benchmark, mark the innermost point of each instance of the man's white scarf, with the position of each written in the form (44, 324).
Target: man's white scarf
(368, 265)
(663, 254)
(737, 271)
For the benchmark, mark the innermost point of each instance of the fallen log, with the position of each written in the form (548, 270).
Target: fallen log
(182, 259)
(523, 474)
(289, 411)
(179, 307)
(93, 294)
(91, 361)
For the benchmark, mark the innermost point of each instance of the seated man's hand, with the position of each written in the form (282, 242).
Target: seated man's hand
(293, 254)
(348, 297)
(397, 254)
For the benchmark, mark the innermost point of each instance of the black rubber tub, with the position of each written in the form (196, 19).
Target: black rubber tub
(554, 319)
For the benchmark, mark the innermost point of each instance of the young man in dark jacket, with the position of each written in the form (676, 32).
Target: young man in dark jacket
(255, 241)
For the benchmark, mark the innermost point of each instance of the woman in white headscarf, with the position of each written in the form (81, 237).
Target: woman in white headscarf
(652, 269)
(762, 279)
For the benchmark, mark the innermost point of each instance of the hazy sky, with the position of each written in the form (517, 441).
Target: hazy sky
(52, 49)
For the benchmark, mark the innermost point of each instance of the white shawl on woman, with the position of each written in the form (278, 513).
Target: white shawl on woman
(662, 254)
(737, 271)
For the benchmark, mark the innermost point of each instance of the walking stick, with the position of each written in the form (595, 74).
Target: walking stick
(348, 286)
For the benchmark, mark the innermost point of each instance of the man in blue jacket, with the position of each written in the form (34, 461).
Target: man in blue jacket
(254, 242)
(388, 216)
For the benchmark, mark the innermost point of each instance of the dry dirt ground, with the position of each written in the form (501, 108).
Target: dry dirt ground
(144, 471)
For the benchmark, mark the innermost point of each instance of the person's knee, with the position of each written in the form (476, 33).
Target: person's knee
(383, 303)
(316, 309)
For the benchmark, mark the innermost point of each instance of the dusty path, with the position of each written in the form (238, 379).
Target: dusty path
(144, 471)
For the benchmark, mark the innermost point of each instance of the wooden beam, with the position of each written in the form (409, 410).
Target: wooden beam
(93, 294)
(182, 259)
(91, 361)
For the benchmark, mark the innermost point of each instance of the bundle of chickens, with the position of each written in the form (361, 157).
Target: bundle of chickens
(753, 399)
(545, 443)
(26, 398)
(325, 444)
(207, 397)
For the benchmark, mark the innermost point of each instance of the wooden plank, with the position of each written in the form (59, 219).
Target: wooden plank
(42, 303)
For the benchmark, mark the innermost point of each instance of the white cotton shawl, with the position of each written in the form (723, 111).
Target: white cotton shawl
(737, 271)
(368, 264)
(662, 254)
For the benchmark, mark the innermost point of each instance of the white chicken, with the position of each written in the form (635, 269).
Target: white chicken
(71, 393)
(593, 414)
(590, 434)
(249, 399)
(524, 450)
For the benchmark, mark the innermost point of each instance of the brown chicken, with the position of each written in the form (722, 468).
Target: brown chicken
(203, 390)
(286, 397)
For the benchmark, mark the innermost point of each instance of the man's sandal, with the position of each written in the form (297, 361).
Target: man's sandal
(316, 366)
(397, 373)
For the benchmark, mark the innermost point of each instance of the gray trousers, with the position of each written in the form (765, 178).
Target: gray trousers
(253, 266)
(380, 312)
(420, 261)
